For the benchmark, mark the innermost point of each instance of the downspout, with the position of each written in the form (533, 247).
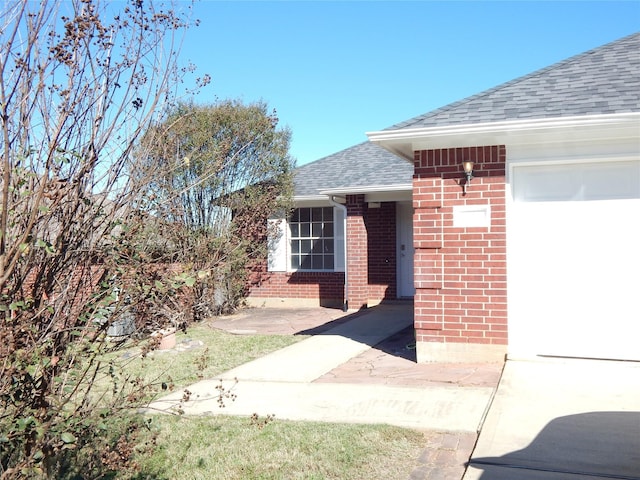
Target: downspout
(345, 305)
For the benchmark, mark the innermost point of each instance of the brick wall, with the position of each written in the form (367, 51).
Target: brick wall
(72, 291)
(327, 287)
(357, 253)
(460, 273)
(75, 289)
(380, 224)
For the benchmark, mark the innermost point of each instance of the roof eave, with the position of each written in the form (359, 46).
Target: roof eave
(403, 142)
(404, 187)
(309, 198)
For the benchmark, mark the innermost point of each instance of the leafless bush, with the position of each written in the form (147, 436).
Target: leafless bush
(79, 84)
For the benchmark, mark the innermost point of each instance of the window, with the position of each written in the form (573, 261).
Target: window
(311, 234)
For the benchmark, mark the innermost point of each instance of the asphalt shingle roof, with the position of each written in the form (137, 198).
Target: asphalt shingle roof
(362, 165)
(604, 80)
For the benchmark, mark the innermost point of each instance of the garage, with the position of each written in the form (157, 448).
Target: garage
(574, 259)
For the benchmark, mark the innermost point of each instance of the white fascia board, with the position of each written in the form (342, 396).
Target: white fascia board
(405, 187)
(387, 192)
(404, 142)
(309, 198)
(311, 201)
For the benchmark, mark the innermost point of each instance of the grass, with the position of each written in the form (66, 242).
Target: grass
(228, 448)
(220, 351)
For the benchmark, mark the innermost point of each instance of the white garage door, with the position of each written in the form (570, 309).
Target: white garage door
(574, 260)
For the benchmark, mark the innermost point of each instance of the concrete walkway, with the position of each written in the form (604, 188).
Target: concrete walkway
(562, 419)
(283, 383)
(307, 360)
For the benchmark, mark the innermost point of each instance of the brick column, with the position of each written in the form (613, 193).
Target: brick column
(357, 258)
(460, 306)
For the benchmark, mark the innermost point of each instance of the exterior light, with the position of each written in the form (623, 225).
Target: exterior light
(467, 165)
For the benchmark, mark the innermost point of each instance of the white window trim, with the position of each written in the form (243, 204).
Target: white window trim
(279, 249)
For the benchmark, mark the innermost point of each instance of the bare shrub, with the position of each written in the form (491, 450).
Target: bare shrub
(80, 82)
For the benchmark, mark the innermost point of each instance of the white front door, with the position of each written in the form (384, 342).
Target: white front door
(404, 228)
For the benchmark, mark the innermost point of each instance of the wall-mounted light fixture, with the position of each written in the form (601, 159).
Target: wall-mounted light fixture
(467, 165)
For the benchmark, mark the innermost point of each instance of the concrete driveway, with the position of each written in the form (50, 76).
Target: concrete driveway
(562, 419)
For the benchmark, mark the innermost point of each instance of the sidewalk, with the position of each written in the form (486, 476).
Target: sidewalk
(357, 369)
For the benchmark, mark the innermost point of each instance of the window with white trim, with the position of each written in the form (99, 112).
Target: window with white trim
(311, 236)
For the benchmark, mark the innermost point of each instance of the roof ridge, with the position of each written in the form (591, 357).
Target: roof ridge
(554, 66)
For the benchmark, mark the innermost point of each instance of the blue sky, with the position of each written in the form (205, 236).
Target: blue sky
(335, 70)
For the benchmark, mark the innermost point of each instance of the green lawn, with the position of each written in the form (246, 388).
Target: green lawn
(221, 351)
(228, 448)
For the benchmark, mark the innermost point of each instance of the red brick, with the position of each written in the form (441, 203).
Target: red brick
(472, 260)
